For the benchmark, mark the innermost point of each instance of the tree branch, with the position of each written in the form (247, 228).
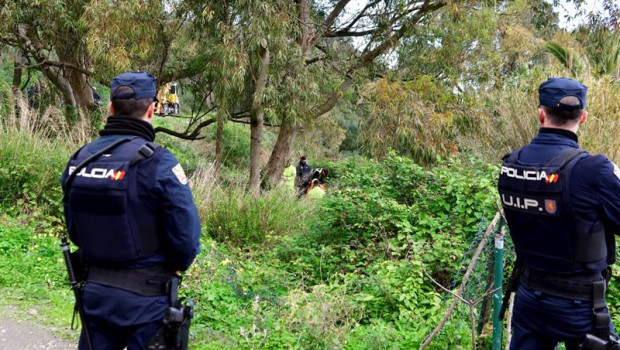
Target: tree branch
(329, 21)
(315, 59)
(193, 136)
(360, 15)
(65, 65)
(369, 56)
(249, 123)
(468, 272)
(346, 33)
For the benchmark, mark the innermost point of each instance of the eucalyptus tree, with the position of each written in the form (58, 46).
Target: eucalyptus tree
(48, 35)
(73, 41)
(286, 62)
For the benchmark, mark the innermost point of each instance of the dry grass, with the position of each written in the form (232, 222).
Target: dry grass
(507, 119)
(43, 125)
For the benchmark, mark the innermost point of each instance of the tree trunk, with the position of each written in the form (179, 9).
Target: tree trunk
(17, 70)
(17, 81)
(256, 122)
(219, 135)
(281, 151)
(72, 54)
(63, 85)
(55, 76)
(288, 132)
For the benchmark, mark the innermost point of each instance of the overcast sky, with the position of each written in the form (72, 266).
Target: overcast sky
(568, 8)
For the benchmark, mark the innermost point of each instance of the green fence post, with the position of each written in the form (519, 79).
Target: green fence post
(497, 286)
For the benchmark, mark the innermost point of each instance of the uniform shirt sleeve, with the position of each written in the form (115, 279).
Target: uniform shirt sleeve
(180, 217)
(608, 192)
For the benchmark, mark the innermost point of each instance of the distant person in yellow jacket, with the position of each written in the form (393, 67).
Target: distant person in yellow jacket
(289, 176)
(316, 190)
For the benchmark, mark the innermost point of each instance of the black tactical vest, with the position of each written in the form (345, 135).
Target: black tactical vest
(547, 234)
(114, 223)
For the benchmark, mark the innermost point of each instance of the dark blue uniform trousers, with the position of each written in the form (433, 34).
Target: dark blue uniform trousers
(118, 318)
(540, 320)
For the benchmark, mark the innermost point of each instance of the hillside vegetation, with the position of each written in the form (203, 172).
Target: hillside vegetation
(410, 105)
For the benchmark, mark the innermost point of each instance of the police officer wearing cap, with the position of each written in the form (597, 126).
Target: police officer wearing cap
(130, 211)
(562, 206)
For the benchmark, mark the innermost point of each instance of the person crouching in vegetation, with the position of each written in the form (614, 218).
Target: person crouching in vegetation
(129, 209)
(316, 190)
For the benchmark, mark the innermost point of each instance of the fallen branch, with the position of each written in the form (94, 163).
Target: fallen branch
(468, 272)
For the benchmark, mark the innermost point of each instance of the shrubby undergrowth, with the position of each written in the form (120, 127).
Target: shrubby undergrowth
(276, 272)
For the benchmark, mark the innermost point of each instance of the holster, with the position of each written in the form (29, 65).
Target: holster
(174, 333)
(80, 269)
(512, 286)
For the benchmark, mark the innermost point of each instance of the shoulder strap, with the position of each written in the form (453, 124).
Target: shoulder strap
(512, 157)
(560, 160)
(566, 156)
(145, 151)
(67, 184)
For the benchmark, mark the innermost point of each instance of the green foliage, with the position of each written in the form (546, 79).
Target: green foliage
(398, 208)
(235, 145)
(410, 118)
(187, 152)
(565, 57)
(30, 169)
(236, 217)
(34, 276)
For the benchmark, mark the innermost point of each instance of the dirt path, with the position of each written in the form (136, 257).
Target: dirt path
(27, 335)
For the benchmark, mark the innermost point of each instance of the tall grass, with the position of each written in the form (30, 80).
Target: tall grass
(506, 119)
(600, 132)
(34, 147)
(230, 214)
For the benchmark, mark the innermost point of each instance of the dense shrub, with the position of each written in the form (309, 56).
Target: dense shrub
(30, 169)
(235, 216)
(396, 209)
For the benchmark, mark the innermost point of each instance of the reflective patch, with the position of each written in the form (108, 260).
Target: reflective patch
(616, 170)
(180, 174)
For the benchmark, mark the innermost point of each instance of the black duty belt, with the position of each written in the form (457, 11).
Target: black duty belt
(150, 281)
(577, 286)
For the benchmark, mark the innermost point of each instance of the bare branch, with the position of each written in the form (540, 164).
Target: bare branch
(331, 18)
(193, 136)
(65, 65)
(369, 56)
(361, 15)
(329, 21)
(394, 38)
(315, 59)
(468, 272)
(249, 123)
(442, 287)
(346, 33)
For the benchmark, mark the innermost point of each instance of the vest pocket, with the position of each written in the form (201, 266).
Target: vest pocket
(103, 226)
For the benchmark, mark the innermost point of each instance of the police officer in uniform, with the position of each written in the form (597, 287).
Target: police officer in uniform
(130, 211)
(302, 170)
(562, 206)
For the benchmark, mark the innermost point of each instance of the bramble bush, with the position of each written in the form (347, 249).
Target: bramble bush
(395, 209)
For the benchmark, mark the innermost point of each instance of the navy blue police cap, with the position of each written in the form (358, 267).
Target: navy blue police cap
(142, 84)
(554, 89)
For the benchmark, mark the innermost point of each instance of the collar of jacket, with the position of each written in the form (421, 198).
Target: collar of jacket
(562, 132)
(126, 125)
